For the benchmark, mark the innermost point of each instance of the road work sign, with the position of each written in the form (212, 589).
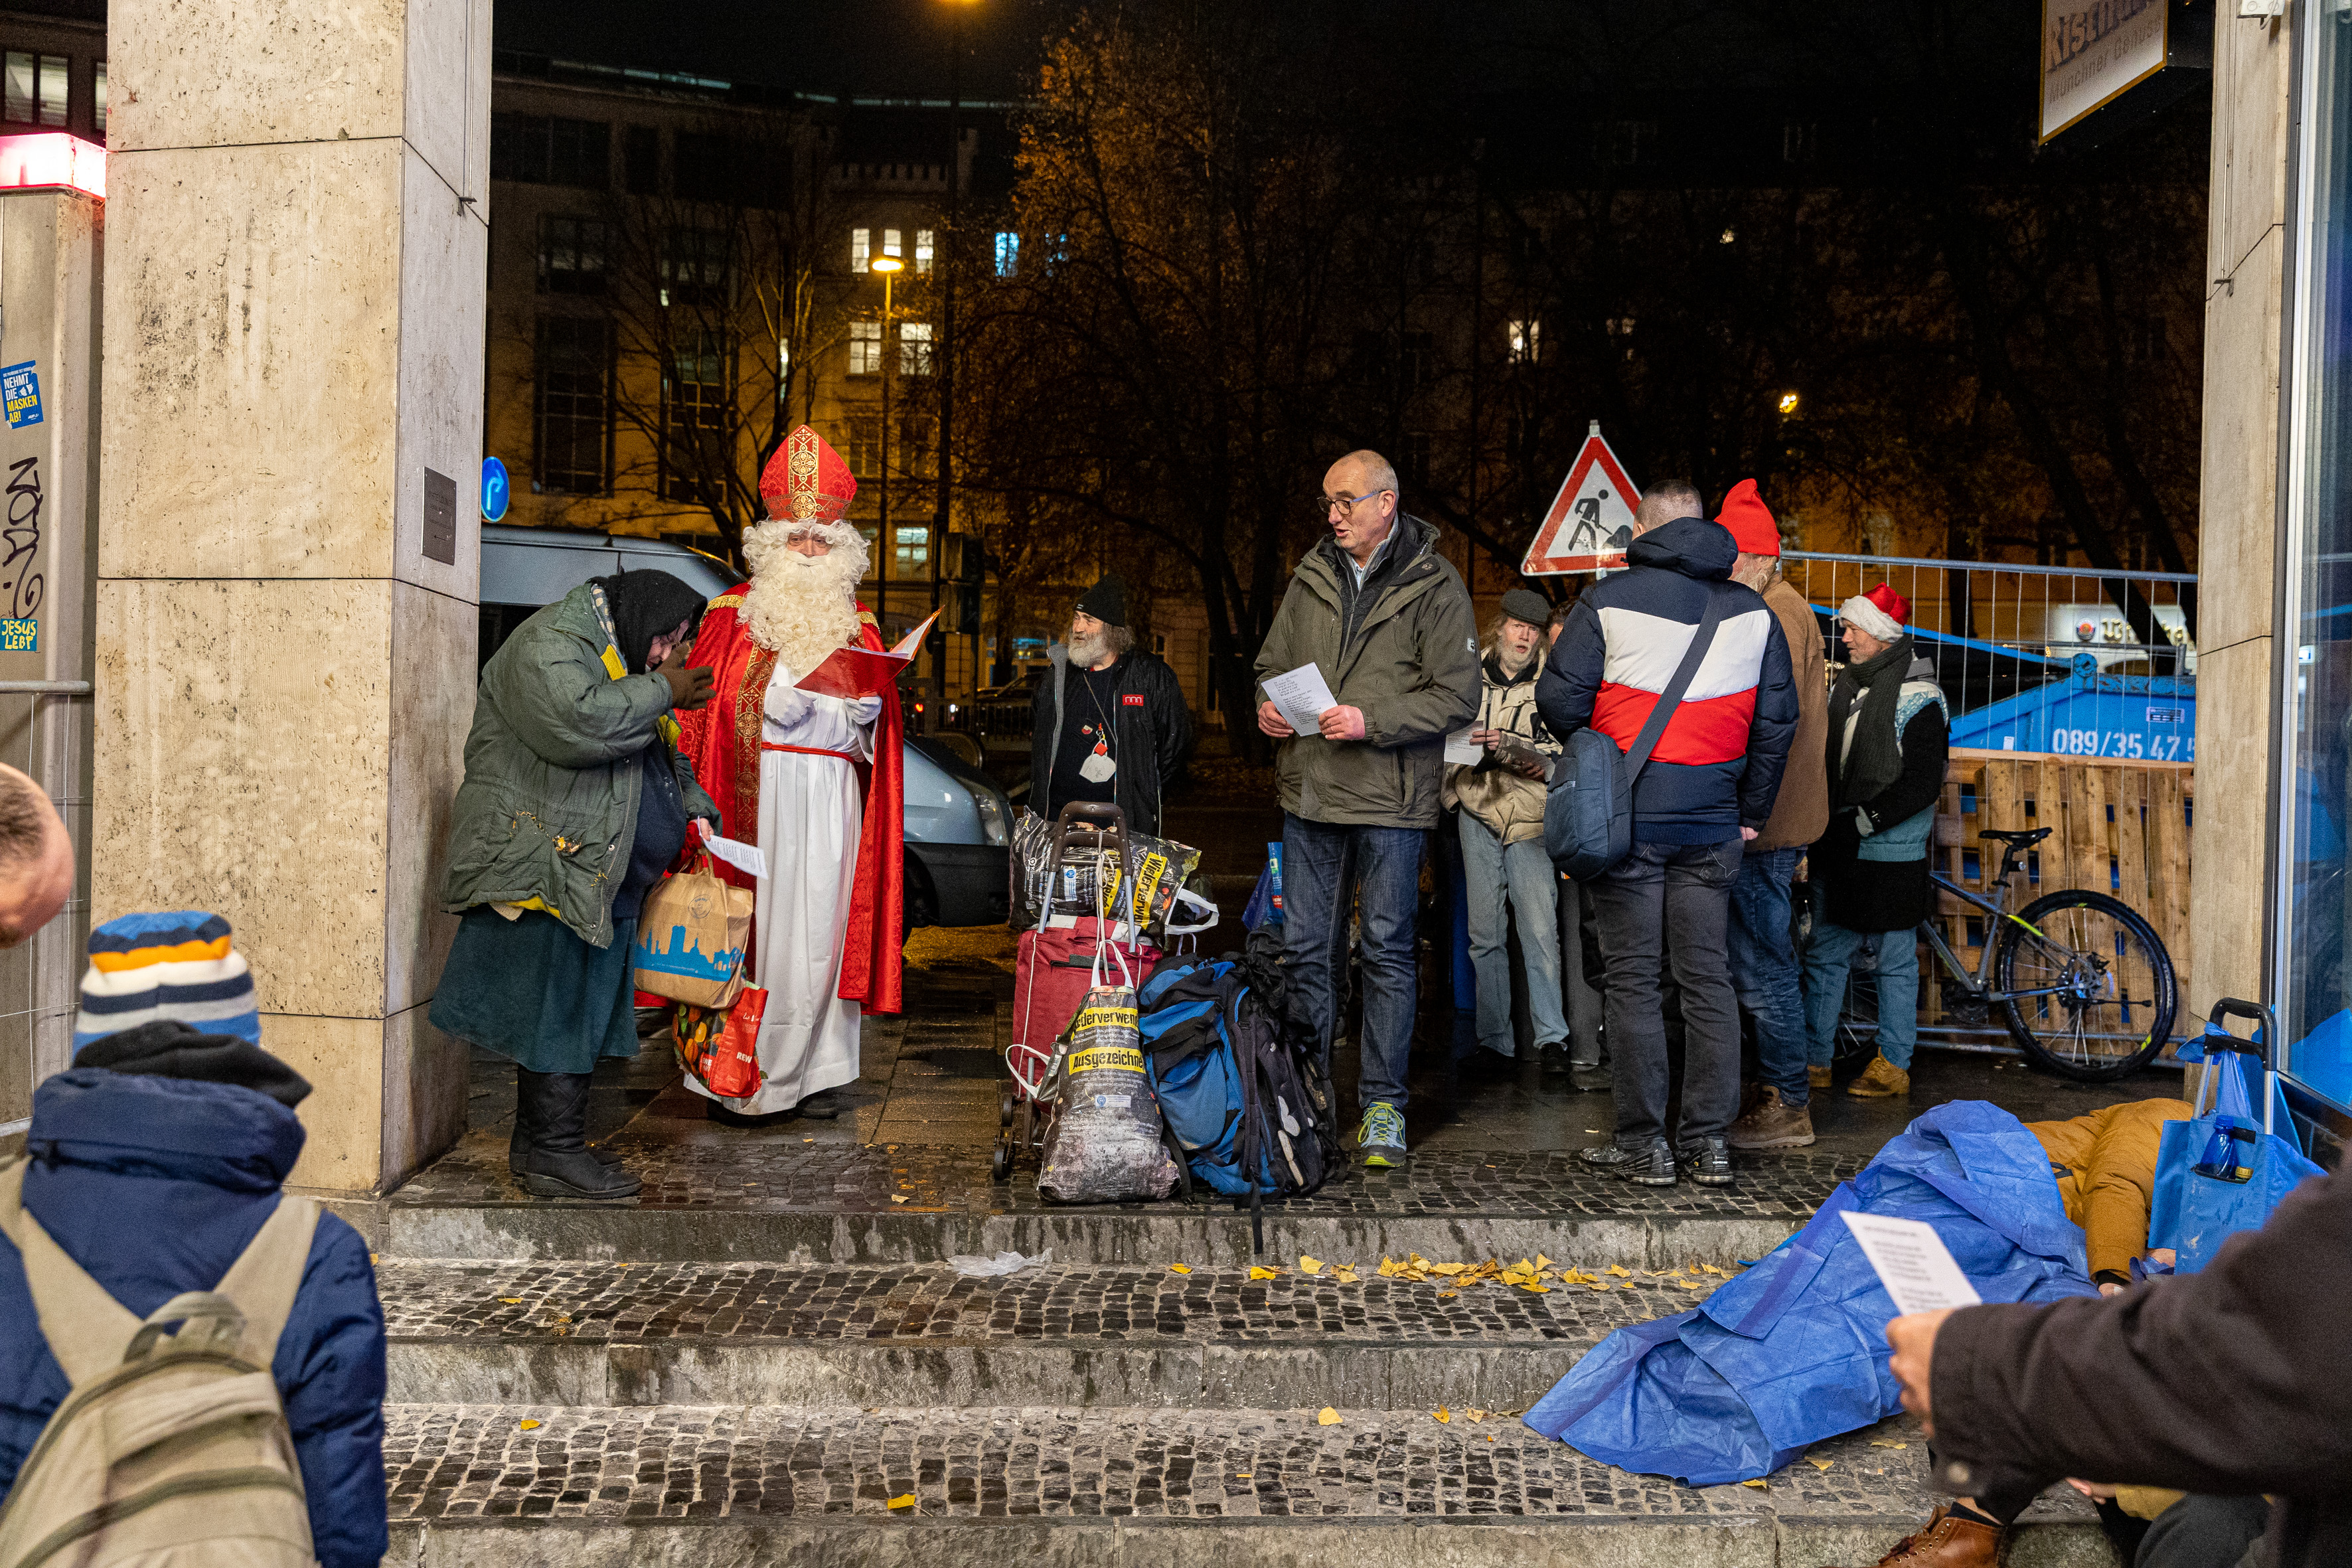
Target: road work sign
(1591, 520)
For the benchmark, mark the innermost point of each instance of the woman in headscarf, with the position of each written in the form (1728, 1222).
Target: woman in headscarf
(1888, 731)
(576, 800)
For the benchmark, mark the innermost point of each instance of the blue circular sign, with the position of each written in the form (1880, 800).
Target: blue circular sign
(495, 491)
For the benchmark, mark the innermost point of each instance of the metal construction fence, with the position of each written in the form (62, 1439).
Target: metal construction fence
(2074, 701)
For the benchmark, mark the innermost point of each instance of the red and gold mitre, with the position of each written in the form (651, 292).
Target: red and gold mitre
(806, 481)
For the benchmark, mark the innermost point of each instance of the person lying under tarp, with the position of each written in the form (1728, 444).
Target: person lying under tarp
(1794, 1349)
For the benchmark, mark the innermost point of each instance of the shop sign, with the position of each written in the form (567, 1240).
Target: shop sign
(2094, 50)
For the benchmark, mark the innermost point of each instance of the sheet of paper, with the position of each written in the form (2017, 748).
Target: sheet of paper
(1460, 748)
(745, 858)
(1301, 695)
(1912, 1262)
(912, 643)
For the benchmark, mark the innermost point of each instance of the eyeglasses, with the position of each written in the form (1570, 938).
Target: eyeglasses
(1324, 504)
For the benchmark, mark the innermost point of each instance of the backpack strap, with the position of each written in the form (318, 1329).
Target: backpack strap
(88, 1330)
(268, 1273)
(1672, 698)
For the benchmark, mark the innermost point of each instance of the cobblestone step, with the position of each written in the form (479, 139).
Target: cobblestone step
(516, 1486)
(703, 1334)
(831, 1203)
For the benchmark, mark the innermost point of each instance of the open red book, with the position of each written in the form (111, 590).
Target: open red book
(854, 672)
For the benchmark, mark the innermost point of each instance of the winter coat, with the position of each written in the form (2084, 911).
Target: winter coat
(1508, 802)
(1716, 769)
(2227, 1381)
(2106, 1166)
(1404, 648)
(1154, 729)
(155, 1186)
(1879, 880)
(1803, 807)
(547, 813)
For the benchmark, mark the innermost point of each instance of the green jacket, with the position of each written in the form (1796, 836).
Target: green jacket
(1411, 665)
(549, 808)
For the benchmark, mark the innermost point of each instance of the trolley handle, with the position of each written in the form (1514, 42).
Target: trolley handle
(2262, 1047)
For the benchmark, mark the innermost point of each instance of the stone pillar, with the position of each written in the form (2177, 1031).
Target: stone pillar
(2238, 526)
(290, 539)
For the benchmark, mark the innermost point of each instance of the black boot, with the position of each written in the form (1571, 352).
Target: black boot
(526, 1130)
(557, 1163)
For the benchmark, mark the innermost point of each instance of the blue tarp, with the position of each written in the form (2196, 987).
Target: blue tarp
(1794, 1349)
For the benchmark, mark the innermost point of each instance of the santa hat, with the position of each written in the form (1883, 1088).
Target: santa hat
(806, 481)
(1881, 612)
(1750, 521)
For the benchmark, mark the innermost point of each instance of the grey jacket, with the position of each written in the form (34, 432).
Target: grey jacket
(1404, 649)
(549, 808)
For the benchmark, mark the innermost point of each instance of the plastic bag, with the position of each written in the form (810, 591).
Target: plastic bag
(691, 937)
(1087, 877)
(1105, 1147)
(1265, 907)
(722, 1050)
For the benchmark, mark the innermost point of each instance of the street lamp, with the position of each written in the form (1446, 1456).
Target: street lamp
(944, 351)
(890, 267)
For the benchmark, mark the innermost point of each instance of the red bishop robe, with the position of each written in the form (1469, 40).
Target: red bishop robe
(722, 739)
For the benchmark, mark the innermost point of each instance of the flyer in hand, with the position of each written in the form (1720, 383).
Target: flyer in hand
(854, 672)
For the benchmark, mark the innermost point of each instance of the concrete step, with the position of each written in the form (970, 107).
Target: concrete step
(516, 1486)
(702, 1334)
(761, 1199)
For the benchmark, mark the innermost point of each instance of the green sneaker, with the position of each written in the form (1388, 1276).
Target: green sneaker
(1381, 1135)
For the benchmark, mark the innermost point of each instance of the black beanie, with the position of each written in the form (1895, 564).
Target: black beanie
(1105, 602)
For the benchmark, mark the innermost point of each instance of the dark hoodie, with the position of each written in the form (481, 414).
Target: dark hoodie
(1717, 767)
(154, 1183)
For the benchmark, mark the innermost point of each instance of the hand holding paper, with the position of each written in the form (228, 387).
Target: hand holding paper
(851, 673)
(1301, 695)
(1912, 1262)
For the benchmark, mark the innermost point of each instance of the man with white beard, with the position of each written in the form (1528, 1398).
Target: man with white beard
(785, 767)
(1108, 721)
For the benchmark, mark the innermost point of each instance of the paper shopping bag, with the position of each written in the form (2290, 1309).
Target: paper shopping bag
(691, 934)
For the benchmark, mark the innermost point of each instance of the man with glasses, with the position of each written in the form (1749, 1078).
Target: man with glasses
(1386, 619)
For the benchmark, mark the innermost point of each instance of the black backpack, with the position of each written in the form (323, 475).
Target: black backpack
(1589, 808)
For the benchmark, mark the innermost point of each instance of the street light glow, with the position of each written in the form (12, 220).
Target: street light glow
(885, 264)
(1787, 403)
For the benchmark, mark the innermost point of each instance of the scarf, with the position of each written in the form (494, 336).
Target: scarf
(647, 604)
(1876, 759)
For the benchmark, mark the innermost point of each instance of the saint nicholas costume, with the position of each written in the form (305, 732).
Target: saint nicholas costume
(816, 781)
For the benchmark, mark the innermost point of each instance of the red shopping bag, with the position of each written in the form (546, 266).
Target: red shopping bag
(722, 1050)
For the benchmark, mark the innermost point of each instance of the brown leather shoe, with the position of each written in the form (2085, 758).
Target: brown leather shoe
(1771, 1125)
(1817, 1077)
(1946, 1543)
(1881, 1079)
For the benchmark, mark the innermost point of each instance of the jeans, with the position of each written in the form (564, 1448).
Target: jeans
(1828, 957)
(1764, 970)
(1508, 881)
(1321, 862)
(1576, 983)
(1676, 897)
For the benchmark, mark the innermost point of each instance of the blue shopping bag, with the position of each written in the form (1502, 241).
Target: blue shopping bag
(1265, 907)
(2224, 1171)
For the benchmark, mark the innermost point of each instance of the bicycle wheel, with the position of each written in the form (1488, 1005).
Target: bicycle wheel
(2104, 992)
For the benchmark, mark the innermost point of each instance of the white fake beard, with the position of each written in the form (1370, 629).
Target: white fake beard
(802, 607)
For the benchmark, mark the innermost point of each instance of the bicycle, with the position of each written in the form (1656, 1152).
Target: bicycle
(2085, 985)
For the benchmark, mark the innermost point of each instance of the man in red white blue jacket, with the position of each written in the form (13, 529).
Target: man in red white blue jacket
(1708, 788)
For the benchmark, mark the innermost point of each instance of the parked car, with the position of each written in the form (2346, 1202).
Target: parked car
(958, 822)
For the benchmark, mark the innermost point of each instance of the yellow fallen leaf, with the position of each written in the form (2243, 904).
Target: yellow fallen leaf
(371, 1258)
(1418, 1262)
(1821, 1464)
(1711, 1269)
(1618, 1272)
(1259, 1272)
(1442, 1415)
(906, 1502)
(1542, 1261)
(510, 1301)
(808, 1140)
(1447, 1295)
(1344, 1275)
(1537, 1289)
(1596, 1285)
(1309, 1266)
(898, 1197)
(1326, 1416)
(1490, 1436)
(1179, 1268)
(1245, 1475)
(529, 1426)
(1883, 1443)
(1449, 1269)
(1628, 1287)
(1760, 1486)
(1389, 1270)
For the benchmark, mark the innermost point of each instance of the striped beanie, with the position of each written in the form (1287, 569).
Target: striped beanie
(176, 964)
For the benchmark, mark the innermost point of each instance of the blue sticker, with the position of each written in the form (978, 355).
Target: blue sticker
(20, 636)
(496, 490)
(20, 384)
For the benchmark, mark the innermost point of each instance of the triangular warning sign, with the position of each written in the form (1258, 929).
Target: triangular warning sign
(1592, 518)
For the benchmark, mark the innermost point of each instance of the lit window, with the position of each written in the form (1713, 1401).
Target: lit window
(890, 245)
(1526, 341)
(914, 550)
(98, 105)
(1008, 254)
(865, 347)
(861, 249)
(33, 89)
(914, 348)
(923, 246)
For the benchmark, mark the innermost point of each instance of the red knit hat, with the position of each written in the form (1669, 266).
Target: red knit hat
(806, 481)
(1750, 521)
